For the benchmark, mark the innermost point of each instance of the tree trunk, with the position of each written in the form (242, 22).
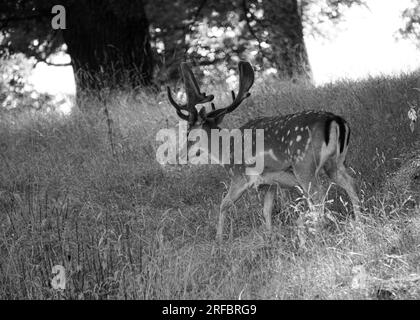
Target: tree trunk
(108, 42)
(284, 25)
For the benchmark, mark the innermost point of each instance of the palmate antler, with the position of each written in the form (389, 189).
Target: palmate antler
(246, 80)
(194, 96)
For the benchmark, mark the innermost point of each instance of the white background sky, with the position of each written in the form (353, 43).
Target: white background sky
(364, 44)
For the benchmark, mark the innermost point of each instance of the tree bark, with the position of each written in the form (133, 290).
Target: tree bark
(284, 25)
(108, 42)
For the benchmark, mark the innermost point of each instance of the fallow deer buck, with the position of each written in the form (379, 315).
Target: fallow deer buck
(296, 147)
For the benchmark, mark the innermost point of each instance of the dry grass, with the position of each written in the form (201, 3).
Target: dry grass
(126, 228)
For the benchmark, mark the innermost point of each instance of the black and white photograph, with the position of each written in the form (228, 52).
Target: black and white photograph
(196, 151)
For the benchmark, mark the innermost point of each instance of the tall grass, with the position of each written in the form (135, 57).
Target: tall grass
(126, 228)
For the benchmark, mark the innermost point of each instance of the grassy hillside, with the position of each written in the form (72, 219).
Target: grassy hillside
(125, 227)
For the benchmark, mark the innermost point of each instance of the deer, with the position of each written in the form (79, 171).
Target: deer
(297, 147)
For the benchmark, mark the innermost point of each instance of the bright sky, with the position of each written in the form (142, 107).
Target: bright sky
(365, 44)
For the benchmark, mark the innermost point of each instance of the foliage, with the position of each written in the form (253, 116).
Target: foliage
(319, 16)
(208, 32)
(213, 31)
(15, 91)
(411, 29)
(26, 28)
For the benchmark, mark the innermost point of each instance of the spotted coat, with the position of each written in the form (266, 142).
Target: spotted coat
(287, 139)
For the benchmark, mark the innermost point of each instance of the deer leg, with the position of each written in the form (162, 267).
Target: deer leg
(347, 182)
(306, 175)
(236, 189)
(269, 196)
(339, 174)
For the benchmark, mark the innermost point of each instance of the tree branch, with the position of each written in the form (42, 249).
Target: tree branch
(197, 13)
(187, 28)
(45, 60)
(252, 31)
(5, 21)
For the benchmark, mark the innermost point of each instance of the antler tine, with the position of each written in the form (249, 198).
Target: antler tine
(194, 96)
(246, 80)
(192, 89)
(177, 106)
